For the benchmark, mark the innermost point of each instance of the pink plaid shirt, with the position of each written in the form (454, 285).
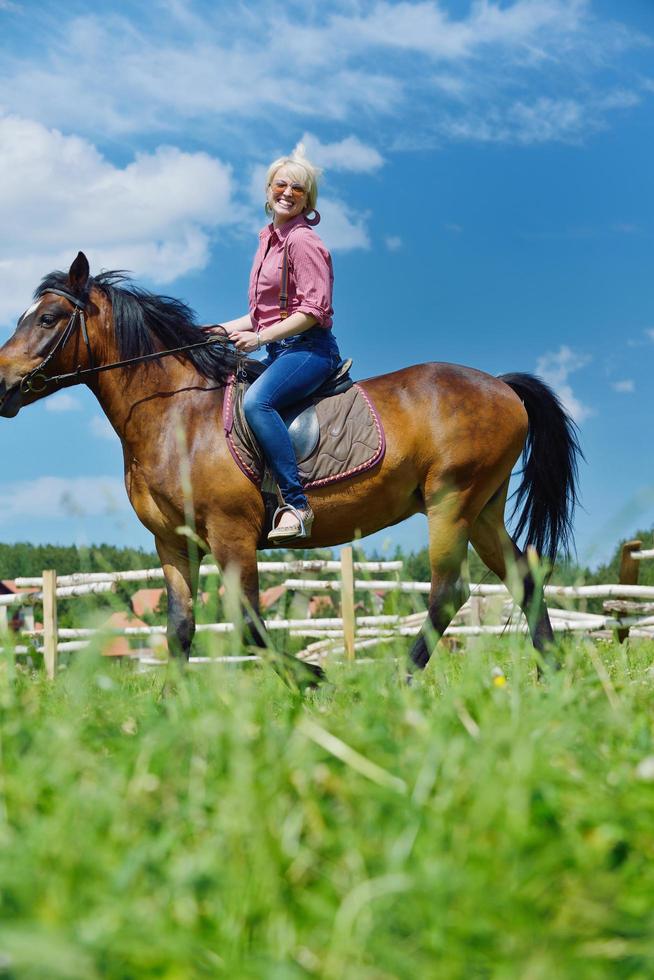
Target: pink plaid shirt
(310, 275)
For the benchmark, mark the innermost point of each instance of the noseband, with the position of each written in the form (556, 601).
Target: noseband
(37, 380)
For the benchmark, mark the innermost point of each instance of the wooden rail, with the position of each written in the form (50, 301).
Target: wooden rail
(623, 613)
(156, 574)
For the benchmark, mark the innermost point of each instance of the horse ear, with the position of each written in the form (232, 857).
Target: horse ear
(78, 274)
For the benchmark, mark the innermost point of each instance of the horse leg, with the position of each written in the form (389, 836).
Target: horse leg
(496, 548)
(240, 558)
(241, 554)
(181, 575)
(448, 542)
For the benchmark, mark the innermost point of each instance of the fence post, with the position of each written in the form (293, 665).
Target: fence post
(629, 569)
(347, 600)
(476, 607)
(50, 622)
(4, 621)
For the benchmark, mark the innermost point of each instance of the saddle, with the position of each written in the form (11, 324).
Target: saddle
(336, 432)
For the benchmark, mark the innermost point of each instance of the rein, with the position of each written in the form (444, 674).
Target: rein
(37, 381)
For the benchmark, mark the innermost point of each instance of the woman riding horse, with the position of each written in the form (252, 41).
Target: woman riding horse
(453, 435)
(290, 300)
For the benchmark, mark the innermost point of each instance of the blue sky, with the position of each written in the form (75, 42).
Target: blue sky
(487, 197)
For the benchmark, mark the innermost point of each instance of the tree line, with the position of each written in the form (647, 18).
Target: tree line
(23, 559)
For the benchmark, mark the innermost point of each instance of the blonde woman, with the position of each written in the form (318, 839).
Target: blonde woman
(290, 312)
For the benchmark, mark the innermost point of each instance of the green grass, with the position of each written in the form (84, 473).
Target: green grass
(234, 829)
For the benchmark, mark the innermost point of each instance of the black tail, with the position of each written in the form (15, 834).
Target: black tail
(546, 497)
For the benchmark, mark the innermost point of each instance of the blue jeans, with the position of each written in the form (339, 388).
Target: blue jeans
(296, 368)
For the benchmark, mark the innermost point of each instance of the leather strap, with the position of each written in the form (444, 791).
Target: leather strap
(283, 285)
(75, 300)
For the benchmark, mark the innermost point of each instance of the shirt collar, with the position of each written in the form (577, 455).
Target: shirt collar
(284, 230)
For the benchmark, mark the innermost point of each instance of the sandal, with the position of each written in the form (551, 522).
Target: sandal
(300, 530)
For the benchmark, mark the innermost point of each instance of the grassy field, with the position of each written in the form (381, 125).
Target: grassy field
(472, 825)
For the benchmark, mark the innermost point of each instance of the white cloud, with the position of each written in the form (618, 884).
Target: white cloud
(153, 216)
(62, 401)
(619, 99)
(135, 78)
(555, 368)
(526, 71)
(542, 120)
(393, 243)
(573, 406)
(216, 71)
(650, 333)
(425, 28)
(348, 154)
(626, 386)
(101, 428)
(59, 194)
(341, 228)
(546, 119)
(54, 496)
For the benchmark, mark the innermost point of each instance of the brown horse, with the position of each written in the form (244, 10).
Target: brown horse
(453, 435)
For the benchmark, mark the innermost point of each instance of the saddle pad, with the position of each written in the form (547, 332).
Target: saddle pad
(351, 439)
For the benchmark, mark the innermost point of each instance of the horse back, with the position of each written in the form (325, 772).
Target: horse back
(462, 415)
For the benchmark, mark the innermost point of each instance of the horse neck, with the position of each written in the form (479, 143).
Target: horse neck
(129, 395)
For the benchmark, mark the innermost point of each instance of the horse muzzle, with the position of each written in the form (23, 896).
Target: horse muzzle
(11, 400)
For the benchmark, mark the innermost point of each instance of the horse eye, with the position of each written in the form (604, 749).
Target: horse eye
(48, 320)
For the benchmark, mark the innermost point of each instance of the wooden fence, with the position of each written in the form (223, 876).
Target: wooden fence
(628, 608)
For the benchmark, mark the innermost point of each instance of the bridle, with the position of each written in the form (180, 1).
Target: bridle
(36, 380)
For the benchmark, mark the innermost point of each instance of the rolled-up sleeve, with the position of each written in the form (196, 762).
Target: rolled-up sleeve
(312, 277)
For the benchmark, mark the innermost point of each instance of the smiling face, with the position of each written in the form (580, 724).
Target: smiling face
(286, 195)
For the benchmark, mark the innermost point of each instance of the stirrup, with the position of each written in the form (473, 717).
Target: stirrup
(304, 519)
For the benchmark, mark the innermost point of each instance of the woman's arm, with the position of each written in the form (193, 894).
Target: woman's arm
(240, 323)
(248, 341)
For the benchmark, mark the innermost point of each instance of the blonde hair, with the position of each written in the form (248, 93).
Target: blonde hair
(302, 170)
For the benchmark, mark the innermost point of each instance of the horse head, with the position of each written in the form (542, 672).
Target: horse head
(48, 333)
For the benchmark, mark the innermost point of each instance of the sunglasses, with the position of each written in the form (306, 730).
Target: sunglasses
(279, 186)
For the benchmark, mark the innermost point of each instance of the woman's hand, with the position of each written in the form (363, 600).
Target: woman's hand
(216, 328)
(244, 340)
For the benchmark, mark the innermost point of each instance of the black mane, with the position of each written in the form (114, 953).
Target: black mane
(142, 318)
